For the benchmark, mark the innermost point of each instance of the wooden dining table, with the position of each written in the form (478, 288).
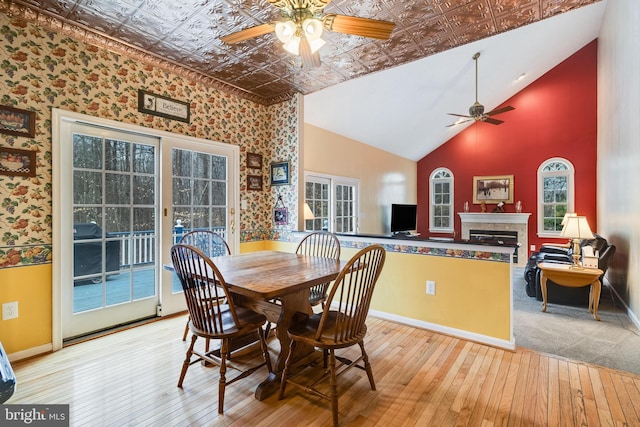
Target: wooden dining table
(277, 285)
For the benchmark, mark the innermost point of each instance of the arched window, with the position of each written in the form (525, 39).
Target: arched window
(441, 196)
(555, 195)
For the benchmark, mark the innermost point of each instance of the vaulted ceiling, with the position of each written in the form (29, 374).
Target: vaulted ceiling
(184, 36)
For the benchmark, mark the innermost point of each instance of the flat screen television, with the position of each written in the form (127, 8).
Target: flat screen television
(403, 218)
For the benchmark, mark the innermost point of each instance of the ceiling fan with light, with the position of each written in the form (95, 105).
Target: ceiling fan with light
(301, 28)
(476, 111)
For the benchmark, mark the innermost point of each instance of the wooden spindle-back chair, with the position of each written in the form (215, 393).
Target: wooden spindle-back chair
(213, 315)
(211, 244)
(341, 323)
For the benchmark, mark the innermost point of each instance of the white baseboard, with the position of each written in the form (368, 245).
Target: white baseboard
(30, 352)
(483, 339)
(630, 313)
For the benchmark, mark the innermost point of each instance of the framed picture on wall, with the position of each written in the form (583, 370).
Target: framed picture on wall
(280, 174)
(16, 162)
(254, 182)
(254, 161)
(493, 189)
(14, 121)
(280, 216)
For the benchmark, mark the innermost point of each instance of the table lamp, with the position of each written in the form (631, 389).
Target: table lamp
(307, 212)
(577, 228)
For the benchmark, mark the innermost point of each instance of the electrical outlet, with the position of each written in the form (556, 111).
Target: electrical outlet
(431, 287)
(9, 310)
(532, 248)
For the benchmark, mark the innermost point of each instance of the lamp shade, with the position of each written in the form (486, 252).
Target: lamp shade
(577, 227)
(307, 212)
(566, 216)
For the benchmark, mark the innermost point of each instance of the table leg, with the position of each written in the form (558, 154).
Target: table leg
(543, 288)
(594, 298)
(291, 304)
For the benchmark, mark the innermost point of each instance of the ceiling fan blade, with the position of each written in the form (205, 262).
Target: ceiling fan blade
(500, 110)
(492, 121)
(354, 25)
(459, 123)
(248, 33)
(459, 115)
(309, 60)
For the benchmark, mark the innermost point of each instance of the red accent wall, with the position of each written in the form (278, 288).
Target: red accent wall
(555, 116)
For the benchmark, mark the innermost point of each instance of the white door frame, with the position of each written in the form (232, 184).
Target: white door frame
(63, 196)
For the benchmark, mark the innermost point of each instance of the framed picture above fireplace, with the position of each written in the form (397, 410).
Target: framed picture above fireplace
(493, 189)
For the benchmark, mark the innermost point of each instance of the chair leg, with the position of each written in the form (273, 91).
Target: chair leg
(187, 360)
(222, 383)
(333, 388)
(285, 371)
(186, 330)
(367, 366)
(265, 349)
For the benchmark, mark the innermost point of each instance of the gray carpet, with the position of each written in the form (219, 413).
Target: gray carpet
(572, 332)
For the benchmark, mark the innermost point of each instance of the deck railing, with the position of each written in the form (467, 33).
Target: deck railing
(140, 248)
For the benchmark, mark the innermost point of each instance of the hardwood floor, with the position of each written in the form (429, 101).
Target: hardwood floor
(423, 378)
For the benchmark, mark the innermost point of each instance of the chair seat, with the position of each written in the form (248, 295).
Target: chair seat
(248, 321)
(306, 330)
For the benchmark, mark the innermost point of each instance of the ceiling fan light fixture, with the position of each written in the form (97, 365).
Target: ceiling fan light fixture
(312, 29)
(285, 31)
(292, 45)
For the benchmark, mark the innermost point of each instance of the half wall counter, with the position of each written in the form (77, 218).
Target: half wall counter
(472, 296)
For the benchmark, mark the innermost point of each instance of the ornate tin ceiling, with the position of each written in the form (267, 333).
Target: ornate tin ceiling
(183, 36)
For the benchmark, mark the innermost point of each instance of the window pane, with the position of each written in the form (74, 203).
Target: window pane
(201, 192)
(219, 167)
(181, 163)
(200, 217)
(118, 220)
(144, 219)
(87, 214)
(117, 156)
(219, 193)
(144, 159)
(181, 191)
(201, 165)
(218, 217)
(87, 187)
(143, 190)
(117, 188)
(87, 152)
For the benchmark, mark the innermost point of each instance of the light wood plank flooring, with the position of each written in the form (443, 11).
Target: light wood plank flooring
(423, 378)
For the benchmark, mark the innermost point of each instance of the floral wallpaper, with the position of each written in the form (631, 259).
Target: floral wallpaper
(41, 69)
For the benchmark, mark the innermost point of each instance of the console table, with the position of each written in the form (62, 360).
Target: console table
(566, 275)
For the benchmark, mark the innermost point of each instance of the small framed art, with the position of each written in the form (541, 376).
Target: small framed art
(280, 173)
(254, 161)
(14, 121)
(280, 216)
(254, 182)
(15, 162)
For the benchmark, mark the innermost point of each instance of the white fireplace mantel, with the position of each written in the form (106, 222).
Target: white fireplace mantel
(518, 222)
(494, 218)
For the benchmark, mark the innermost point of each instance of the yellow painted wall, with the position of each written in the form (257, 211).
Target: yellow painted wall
(31, 287)
(471, 295)
(384, 177)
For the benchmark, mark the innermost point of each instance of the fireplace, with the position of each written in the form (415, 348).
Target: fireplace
(500, 236)
(496, 223)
